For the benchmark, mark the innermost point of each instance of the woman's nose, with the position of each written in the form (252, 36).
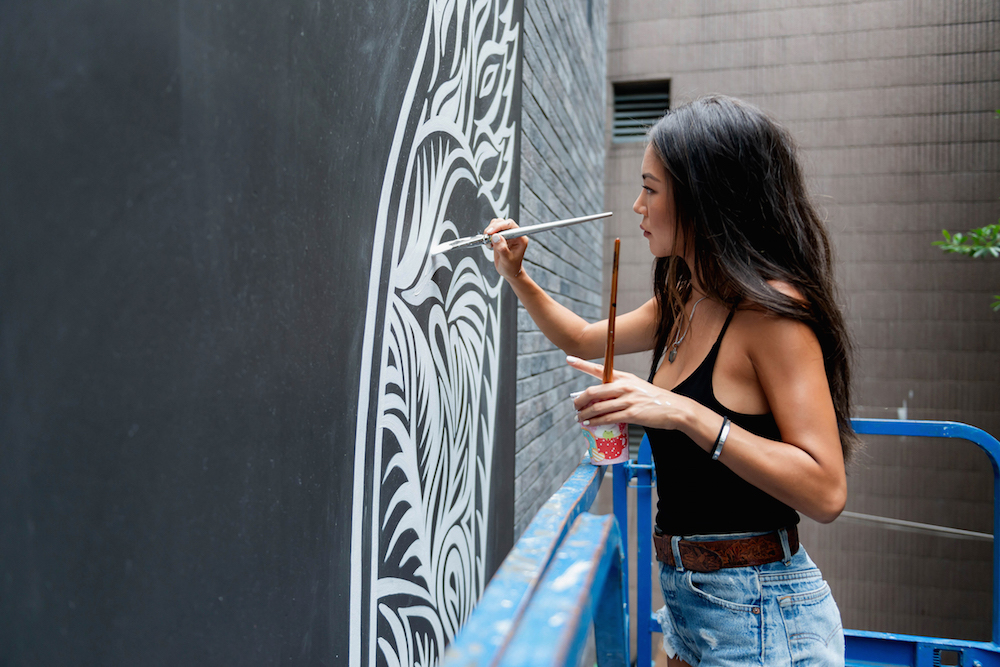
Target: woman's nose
(637, 207)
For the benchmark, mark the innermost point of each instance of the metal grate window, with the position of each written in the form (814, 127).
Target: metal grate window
(637, 106)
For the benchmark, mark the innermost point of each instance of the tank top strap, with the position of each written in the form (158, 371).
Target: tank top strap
(718, 341)
(698, 385)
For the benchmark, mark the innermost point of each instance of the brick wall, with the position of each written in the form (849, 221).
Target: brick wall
(562, 175)
(892, 104)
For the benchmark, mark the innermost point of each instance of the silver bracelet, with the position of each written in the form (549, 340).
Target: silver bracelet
(721, 440)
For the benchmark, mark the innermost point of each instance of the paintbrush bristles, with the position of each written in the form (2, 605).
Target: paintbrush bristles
(609, 350)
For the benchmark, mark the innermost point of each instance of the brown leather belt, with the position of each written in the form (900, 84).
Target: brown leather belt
(711, 556)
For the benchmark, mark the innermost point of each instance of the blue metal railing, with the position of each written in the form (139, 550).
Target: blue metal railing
(582, 588)
(490, 629)
(886, 648)
(986, 442)
(644, 473)
(566, 574)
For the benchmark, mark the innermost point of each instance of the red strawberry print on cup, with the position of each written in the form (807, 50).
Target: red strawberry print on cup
(608, 443)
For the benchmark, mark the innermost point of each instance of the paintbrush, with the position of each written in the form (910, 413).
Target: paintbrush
(609, 350)
(483, 239)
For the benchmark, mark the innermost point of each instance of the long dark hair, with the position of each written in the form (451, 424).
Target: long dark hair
(742, 208)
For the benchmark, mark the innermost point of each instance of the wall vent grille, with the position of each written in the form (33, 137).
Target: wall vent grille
(637, 106)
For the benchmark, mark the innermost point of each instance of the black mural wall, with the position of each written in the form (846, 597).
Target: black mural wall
(243, 417)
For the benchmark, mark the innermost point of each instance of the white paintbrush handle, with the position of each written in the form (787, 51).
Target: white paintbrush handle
(524, 231)
(483, 239)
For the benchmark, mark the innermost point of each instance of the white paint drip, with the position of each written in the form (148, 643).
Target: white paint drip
(902, 412)
(571, 576)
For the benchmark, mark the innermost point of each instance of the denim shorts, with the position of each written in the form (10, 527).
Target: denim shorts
(774, 614)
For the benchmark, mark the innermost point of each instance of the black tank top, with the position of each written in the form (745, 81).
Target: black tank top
(700, 496)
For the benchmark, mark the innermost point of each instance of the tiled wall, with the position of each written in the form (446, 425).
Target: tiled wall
(892, 103)
(562, 175)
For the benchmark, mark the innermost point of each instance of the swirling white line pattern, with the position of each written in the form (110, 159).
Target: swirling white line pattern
(428, 398)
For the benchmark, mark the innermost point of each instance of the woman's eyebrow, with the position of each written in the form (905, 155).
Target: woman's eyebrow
(650, 177)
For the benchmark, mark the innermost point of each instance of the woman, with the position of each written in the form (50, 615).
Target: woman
(747, 402)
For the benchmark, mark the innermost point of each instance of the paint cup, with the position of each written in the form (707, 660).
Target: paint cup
(608, 443)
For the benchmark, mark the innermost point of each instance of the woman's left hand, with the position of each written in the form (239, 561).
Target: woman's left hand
(627, 398)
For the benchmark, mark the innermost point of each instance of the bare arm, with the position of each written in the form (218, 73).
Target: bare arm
(805, 470)
(634, 331)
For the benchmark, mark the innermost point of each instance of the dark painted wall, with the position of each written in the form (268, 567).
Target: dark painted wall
(187, 198)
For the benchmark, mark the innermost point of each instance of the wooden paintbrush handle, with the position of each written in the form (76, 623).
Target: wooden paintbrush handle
(609, 350)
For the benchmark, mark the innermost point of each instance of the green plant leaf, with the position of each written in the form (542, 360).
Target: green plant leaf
(981, 242)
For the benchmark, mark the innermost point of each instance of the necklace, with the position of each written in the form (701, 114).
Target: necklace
(679, 338)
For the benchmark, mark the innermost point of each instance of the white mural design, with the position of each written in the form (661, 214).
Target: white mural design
(428, 398)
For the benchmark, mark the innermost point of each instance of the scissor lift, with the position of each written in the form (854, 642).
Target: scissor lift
(566, 580)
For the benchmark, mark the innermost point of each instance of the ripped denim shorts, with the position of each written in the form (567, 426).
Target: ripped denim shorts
(774, 614)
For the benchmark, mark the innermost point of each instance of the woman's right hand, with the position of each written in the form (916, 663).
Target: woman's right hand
(507, 255)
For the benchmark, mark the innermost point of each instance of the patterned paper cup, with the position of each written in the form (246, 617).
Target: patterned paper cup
(608, 443)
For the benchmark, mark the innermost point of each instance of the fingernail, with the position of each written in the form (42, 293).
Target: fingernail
(574, 394)
(586, 422)
(572, 360)
(495, 238)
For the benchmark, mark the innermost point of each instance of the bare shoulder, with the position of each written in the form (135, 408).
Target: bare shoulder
(788, 290)
(759, 320)
(774, 338)
(761, 355)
